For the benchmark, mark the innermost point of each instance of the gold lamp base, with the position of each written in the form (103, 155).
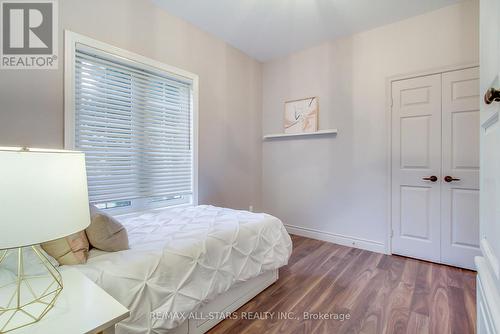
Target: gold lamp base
(26, 292)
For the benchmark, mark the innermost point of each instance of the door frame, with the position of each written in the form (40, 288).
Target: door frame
(388, 107)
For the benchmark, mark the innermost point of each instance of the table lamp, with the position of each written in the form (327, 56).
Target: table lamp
(43, 197)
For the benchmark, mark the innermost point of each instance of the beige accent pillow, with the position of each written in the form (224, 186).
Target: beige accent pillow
(73, 249)
(105, 232)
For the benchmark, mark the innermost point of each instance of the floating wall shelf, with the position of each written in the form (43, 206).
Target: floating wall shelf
(332, 132)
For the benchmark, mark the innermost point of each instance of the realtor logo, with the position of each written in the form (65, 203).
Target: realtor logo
(29, 34)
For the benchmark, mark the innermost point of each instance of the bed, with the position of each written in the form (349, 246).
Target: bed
(201, 259)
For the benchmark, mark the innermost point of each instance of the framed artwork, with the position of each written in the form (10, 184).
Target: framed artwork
(301, 115)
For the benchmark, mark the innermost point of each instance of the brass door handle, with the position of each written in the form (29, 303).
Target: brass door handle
(449, 179)
(492, 95)
(432, 178)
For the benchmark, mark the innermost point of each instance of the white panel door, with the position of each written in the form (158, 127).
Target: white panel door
(490, 138)
(489, 274)
(460, 168)
(416, 165)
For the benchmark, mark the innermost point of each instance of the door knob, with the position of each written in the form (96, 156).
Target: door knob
(432, 178)
(492, 95)
(449, 179)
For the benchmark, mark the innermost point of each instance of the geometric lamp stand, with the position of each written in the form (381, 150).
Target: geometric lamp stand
(25, 298)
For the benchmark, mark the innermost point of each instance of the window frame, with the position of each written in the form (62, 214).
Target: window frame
(71, 39)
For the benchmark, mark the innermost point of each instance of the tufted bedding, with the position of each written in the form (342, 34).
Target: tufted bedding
(180, 258)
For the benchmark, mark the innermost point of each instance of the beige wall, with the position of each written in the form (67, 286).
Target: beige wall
(31, 102)
(338, 186)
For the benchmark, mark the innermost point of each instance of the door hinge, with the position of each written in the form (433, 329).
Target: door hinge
(392, 233)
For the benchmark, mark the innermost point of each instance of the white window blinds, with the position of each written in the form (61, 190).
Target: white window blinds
(135, 127)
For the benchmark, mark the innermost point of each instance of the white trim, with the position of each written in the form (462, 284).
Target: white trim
(370, 245)
(492, 120)
(195, 125)
(488, 301)
(388, 108)
(437, 70)
(490, 258)
(70, 41)
(388, 120)
(136, 213)
(69, 89)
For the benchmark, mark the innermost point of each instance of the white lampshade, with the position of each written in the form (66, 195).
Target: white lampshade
(43, 195)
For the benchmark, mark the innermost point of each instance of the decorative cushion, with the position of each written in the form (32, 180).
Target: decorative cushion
(105, 232)
(72, 249)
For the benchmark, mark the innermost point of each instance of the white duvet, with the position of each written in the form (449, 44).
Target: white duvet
(182, 257)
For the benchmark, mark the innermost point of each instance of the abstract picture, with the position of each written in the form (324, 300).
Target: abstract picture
(302, 115)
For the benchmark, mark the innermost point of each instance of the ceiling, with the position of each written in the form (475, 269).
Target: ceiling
(267, 29)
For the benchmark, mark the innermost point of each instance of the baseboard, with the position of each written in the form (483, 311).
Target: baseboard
(490, 258)
(488, 299)
(370, 245)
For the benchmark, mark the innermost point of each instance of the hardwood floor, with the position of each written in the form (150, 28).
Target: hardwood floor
(379, 293)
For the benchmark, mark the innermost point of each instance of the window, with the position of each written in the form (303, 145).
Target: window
(135, 124)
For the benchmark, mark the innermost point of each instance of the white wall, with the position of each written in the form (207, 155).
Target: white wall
(31, 102)
(339, 186)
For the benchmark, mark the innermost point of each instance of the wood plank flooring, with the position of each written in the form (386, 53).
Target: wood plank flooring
(379, 293)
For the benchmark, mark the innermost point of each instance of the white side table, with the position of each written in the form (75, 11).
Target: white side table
(82, 307)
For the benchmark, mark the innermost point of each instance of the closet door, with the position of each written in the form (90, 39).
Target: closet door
(460, 171)
(416, 166)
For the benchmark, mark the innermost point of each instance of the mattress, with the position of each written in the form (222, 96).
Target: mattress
(181, 258)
